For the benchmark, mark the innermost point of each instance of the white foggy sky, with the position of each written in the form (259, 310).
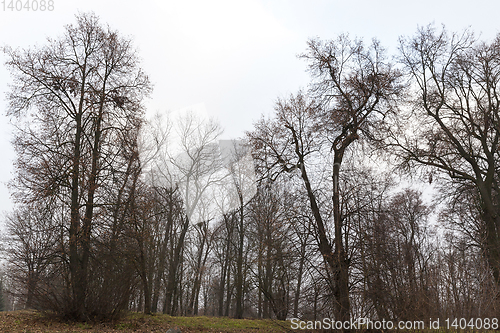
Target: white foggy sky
(232, 58)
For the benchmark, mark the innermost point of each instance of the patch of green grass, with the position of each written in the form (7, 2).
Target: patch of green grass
(205, 323)
(84, 326)
(125, 326)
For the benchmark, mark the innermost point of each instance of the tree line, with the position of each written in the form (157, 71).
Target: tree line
(306, 217)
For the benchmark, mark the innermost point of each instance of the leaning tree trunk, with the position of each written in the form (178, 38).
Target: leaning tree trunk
(336, 262)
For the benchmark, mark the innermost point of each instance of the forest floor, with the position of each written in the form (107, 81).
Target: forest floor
(35, 322)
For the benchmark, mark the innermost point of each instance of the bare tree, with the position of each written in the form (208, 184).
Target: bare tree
(33, 249)
(353, 87)
(79, 97)
(271, 235)
(469, 287)
(193, 165)
(455, 104)
(357, 86)
(241, 171)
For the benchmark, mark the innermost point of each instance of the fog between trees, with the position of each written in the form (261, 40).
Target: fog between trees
(304, 218)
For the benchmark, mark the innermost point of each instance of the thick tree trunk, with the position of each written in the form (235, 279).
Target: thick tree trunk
(86, 231)
(492, 223)
(491, 219)
(341, 268)
(74, 229)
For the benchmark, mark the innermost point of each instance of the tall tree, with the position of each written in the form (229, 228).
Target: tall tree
(353, 86)
(456, 106)
(241, 171)
(194, 168)
(76, 100)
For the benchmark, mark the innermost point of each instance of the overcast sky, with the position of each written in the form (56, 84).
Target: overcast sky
(230, 58)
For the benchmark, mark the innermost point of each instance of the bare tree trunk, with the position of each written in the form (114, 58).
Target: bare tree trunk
(193, 302)
(492, 222)
(74, 228)
(201, 260)
(170, 293)
(268, 278)
(239, 262)
(229, 292)
(162, 259)
(202, 271)
(226, 265)
(147, 294)
(222, 286)
(336, 262)
(299, 279)
(341, 267)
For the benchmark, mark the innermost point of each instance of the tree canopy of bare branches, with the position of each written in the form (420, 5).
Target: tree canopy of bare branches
(455, 102)
(77, 102)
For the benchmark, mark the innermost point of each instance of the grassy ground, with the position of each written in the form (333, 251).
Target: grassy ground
(33, 322)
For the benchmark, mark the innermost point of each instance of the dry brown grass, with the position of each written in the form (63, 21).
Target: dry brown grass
(35, 322)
